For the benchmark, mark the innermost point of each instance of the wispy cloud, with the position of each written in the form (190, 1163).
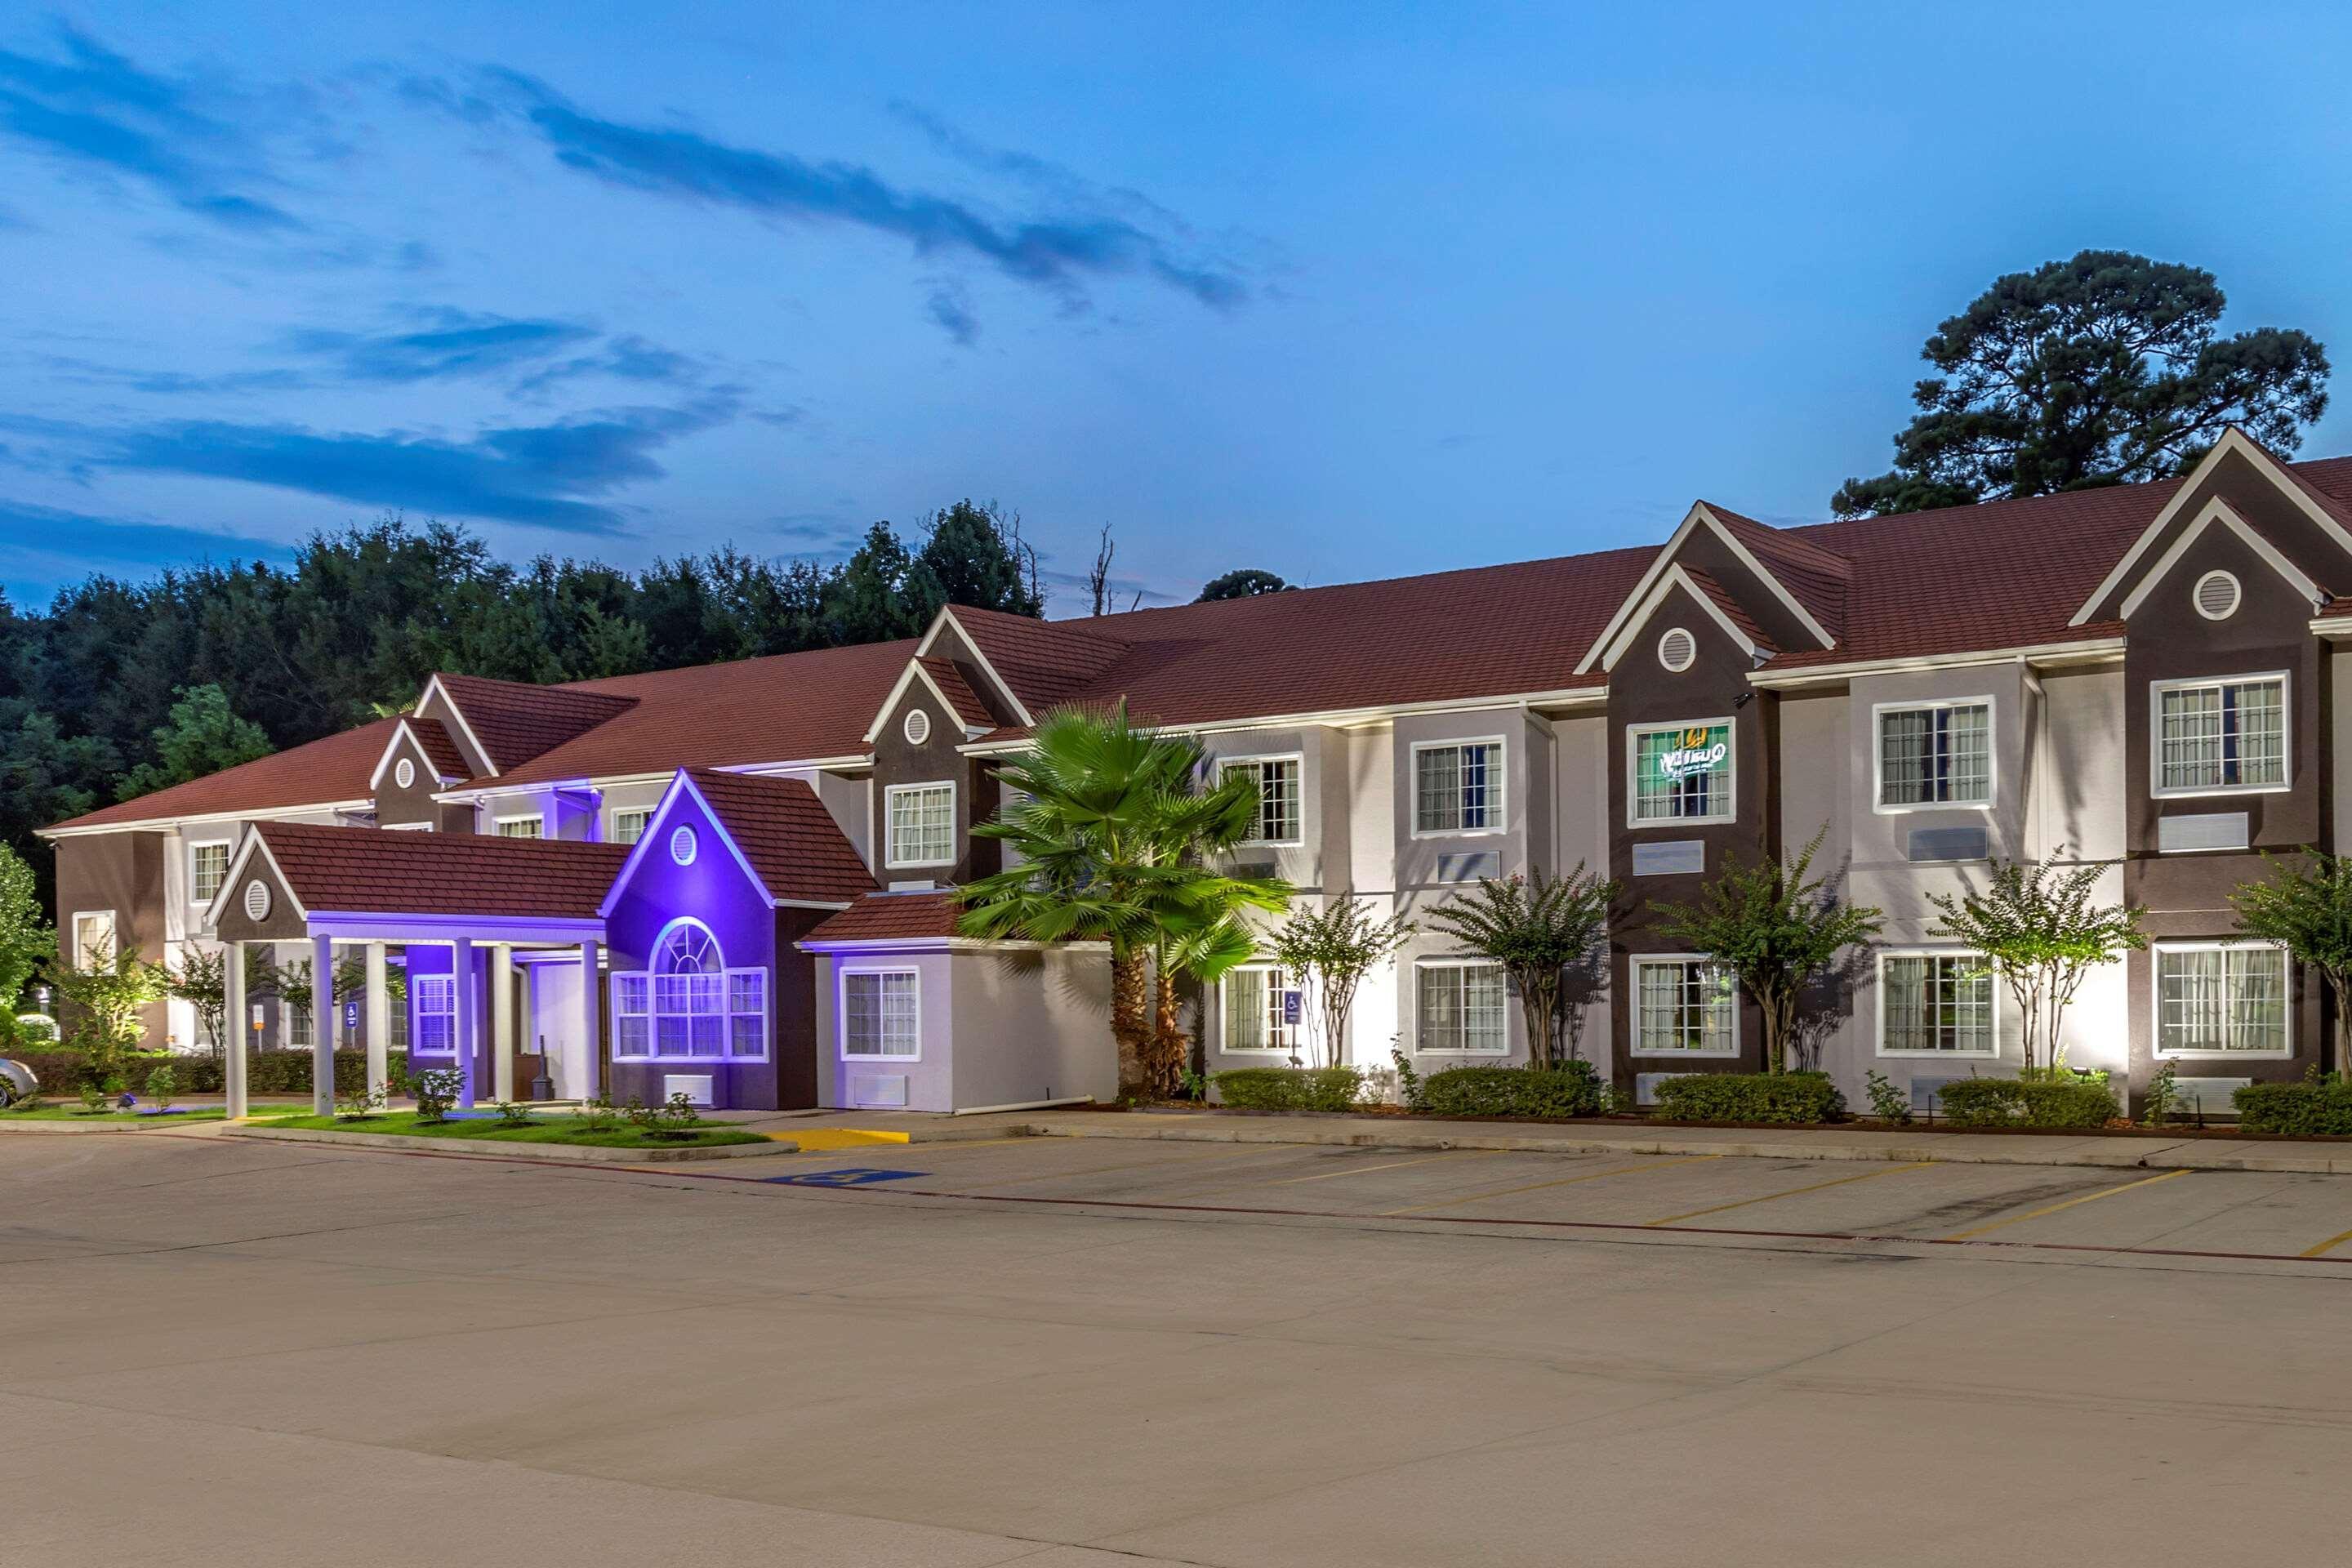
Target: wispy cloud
(94, 110)
(457, 345)
(43, 547)
(1057, 253)
(549, 475)
(952, 311)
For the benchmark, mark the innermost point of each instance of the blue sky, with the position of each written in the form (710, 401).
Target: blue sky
(1340, 291)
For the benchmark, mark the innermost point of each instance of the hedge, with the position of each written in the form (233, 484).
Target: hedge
(266, 1072)
(1291, 1089)
(2080, 1102)
(1783, 1097)
(1572, 1088)
(2309, 1109)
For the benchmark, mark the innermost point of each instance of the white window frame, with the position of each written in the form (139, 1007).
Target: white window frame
(2156, 1002)
(1992, 1012)
(1633, 963)
(2156, 690)
(1878, 711)
(420, 988)
(889, 838)
(1422, 1048)
(539, 819)
(1634, 821)
(644, 813)
(1225, 1046)
(197, 897)
(644, 981)
(113, 935)
(1498, 785)
(408, 828)
(840, 1012)
(1259, 760)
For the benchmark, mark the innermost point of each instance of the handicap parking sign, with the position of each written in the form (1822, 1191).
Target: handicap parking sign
(851, 1176)
(1292, 1005)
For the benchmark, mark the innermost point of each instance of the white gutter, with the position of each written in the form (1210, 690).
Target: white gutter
(1349, 718)
(2091, 650)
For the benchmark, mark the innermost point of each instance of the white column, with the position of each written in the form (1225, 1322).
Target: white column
(322, 1025)
(591, 1037)
(379, 1021)
(233, 1048)
(461, 953)
(502, 1013)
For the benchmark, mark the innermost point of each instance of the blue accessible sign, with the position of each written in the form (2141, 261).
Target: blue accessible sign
(1293, 1006)
(853, 1176)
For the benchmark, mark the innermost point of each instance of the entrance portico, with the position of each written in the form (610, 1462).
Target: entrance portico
(471, 913)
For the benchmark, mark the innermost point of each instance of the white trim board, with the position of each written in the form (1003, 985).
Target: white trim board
(2218, 511)
(1698, 514)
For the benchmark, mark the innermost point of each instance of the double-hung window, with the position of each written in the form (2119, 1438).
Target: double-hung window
(1254, 1009)
(1460, 1008)
(1276, 778)
(629, 825)
(2221, 999)
(520, 826)
(1457, 787)
(436, 1014)
(1684, 1006)
(2217, 736)
(93, 938)
(207, 869)
(1935, 753)
(1934, 1002)
(881, 1016)
(1680, 772)
(921, 825)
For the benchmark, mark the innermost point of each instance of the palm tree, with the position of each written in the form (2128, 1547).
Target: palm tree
(1110, 825)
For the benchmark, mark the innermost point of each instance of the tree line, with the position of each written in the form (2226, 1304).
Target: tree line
(119, 687)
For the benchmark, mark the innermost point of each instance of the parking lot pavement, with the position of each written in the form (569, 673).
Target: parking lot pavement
(1065, 1351)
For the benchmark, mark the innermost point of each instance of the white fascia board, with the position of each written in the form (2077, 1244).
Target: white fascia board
(2232, 440)
(945, 944)
(401, 731)
(916, 671)
(1349, 718)
(656, 829)
(1779, 589)
(2218, 510)
(1659, 564)
(459, 714)
(166, 824)
(1635, 602)
(947, 617)
(1676, 577)
(247, 847)
(2089, 650)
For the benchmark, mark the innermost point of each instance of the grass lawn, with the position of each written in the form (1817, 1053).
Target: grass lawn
(540, 1129)
(72, 1112)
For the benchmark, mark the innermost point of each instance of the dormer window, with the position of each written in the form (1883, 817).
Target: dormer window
(2219, 737)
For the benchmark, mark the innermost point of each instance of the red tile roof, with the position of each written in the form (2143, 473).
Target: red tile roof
(785, 832)
(365, 870)
(1732, 607)
(959, 692)
(516, 721)
(1045, 661)
(788, 706)
(440, 747)
(324, 773)
(887, 916)
(1816, 577)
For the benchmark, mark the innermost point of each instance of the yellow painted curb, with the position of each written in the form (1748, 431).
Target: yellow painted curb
(819, 1140)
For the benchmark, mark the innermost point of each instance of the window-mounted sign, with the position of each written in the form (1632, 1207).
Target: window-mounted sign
(1696, 750)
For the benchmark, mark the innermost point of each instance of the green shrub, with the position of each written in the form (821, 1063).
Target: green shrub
(1572, 1089)
(1785, 1098)
(162, 1083)
(266, 1072)
(1291, 1089)
(2316, 1107)
(1887, 1102)
(2070, 1102)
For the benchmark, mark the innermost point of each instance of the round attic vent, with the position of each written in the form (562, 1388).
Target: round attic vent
(2217, 595)
(917, 727)
(404, 773)
(1677, 650)
(682, 846)
(256, 900)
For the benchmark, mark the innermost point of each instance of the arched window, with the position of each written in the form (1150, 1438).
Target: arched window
(688, 1006)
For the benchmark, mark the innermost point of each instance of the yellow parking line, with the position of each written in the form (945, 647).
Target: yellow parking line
(1535, 1187)
(1387, 1165)
(2324, 1248)
(1792, 1191)
(2070, 1203)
